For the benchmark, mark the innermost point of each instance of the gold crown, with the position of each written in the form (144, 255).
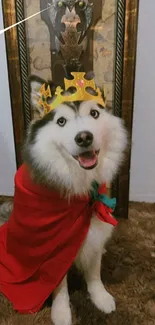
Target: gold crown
(80, 84)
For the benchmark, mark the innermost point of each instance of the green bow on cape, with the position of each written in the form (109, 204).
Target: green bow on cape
(96, 196)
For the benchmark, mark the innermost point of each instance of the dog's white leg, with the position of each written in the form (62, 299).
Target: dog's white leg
(61, 312)
(89, 260)
(99, 296)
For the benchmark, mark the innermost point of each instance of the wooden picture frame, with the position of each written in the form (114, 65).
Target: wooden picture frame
(126, 40)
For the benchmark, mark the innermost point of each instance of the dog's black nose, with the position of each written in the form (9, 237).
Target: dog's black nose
(84, 139)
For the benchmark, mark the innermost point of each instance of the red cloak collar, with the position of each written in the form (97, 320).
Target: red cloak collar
(41, 240)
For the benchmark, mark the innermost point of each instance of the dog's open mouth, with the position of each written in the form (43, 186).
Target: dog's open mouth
(88, 159)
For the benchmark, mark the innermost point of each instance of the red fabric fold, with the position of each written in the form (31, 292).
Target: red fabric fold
(41, 240)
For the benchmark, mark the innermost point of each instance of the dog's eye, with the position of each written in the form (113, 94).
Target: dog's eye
(95, 114)
(61, 121)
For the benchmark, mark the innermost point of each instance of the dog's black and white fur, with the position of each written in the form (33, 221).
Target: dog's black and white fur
(52, 152)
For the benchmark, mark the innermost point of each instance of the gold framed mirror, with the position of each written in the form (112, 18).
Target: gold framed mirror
(113, 56)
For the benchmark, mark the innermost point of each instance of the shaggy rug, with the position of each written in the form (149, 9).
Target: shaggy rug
(128, 271)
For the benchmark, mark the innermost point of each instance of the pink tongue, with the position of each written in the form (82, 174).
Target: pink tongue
(87, 159)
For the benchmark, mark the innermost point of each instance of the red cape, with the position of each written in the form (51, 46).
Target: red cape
(41, 240)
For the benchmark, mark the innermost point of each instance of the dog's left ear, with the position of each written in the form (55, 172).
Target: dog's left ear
(103, 96)
(91, 75)
(35, 84)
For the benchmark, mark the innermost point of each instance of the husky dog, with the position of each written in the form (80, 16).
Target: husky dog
(67, 150)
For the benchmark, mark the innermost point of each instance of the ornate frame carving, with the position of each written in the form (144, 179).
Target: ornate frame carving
(126, 37)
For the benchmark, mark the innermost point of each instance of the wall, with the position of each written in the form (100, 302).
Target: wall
(7, 151)
(142, 186)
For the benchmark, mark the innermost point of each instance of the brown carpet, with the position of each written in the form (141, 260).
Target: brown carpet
(128, 273)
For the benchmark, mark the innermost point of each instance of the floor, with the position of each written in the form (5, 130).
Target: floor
(128, 271)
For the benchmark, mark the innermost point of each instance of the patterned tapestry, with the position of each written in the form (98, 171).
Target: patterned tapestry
(38, 41)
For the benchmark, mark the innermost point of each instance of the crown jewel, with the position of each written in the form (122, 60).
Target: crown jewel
(81, 94)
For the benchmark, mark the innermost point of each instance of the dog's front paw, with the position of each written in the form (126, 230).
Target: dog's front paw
(106, 303)
(61, 313)
(102, 299)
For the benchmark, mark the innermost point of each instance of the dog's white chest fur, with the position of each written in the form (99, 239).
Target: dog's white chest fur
(98, 234)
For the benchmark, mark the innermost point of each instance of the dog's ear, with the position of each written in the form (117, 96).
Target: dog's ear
(108, 103)
(35, 84)
(91, 75)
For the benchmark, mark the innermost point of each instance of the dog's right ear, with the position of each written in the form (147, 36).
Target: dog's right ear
(35, 84)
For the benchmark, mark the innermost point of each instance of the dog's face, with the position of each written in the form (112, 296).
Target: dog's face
(74, 143)
(77, 130)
